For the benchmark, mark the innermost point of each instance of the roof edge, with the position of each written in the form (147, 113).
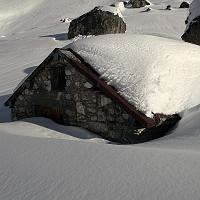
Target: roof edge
(89, 72)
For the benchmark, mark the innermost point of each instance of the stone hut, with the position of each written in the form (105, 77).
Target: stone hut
(68, 90)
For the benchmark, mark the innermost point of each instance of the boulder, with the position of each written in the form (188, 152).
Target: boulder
(168, 7)
(184, 4)
(192, 31)
(192, 34)
(99, 21)
(139, 3)
(147, 10)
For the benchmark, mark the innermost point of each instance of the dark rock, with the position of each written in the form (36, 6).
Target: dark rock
(147, 10)
(168, 7)
(96, 22)
(192, 34)
(186, 21)
(184, 4)
(139, 3)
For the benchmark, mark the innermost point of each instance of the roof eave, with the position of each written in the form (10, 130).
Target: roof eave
(90, 73)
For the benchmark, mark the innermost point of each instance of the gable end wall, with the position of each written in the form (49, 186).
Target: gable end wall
(79, 104)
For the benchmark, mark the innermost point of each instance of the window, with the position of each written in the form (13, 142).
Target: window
(58, 81)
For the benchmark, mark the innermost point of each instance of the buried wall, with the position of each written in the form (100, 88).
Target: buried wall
(60, 92)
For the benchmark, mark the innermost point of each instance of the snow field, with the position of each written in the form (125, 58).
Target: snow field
(42, 160)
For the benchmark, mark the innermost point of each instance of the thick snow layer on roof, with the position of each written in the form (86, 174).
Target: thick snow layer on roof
(194, 11)
(156, 75)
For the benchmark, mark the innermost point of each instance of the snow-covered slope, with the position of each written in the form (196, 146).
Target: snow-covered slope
(146, 70)
(33, 168)
(23, 16)
(53, 162)
(28, 37)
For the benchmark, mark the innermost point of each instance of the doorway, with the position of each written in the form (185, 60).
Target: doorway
(54, 113)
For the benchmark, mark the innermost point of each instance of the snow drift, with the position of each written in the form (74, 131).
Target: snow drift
(156, 75)
(55, 167)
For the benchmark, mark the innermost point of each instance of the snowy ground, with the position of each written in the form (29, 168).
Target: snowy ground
(42, 160)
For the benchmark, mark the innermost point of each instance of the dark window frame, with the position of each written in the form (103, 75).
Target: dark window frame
(58, 80)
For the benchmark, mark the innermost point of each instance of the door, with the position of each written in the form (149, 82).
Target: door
(54, 113)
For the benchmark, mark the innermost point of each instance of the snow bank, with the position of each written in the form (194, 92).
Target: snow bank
(46, 169)
(55, 167)
(194, 12)
(156, 75)
(10, 10)
(39, 127)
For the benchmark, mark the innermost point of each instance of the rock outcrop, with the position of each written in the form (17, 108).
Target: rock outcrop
(168, 7)
(184, 4)
(192, 32)
(99, 21)
(139, 3)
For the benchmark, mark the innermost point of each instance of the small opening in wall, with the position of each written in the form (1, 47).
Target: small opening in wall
(58, 81)
(54, 113)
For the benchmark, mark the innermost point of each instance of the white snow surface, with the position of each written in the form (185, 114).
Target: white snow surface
(111, 9)
(43, 160)
(120, 6)
(146, 70)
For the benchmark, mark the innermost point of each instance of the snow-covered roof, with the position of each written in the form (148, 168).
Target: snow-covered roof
(154, 74)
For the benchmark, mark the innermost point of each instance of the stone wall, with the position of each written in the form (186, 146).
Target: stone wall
(78, 104)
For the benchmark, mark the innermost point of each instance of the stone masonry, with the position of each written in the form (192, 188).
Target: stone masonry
(77, 103)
